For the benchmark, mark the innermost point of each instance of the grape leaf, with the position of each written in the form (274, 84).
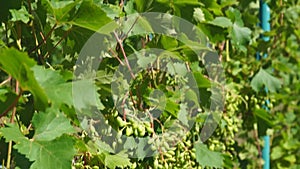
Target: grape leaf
(240, 35)
(54, 85)
(59, 91)
(141, 5)
(144, 61)
(96, 16)
(143, 148)
(20, 15)
(63, 11)
(102, 146)
(50, 125)
(48, 155)
(187, 2)
(264, 121)
(12, 132)
(177, 69)
(264, 78)
(202, 81)
(112, 11)
(59, 9)
(18, 65)
(85, 95)
(221, 22)
(208, 158)
(235, 16)
(116, 160)
(183, 114)
(168, 42)
(57, 153)
(213, 6)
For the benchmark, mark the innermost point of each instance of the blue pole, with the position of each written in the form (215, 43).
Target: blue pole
(264, 16)
(266, 152)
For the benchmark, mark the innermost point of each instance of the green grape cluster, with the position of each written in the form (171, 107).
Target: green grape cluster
(180, 156)
(223, 139)
(134, 127)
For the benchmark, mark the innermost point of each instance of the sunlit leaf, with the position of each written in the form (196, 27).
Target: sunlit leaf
(18, 65)
(240, 35)
(263, 78)
(116, 160)
(208, 158)
(221, 22)
(96, 16)
(57, 153)
(50, 125)
(20, 15)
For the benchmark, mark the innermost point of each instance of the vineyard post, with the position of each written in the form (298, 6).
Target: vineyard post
(264, 16)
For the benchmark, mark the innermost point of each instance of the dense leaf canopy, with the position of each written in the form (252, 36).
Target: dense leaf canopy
(148, 84)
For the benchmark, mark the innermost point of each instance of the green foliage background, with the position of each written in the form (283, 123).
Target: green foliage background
(40, 43)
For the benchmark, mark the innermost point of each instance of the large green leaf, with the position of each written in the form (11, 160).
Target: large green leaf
(221, 22)
(48, 155)
(264, 121)
(213, 6)
(142, 5)
(50, 125)
(90, 16)
(85, 95)
(116, 160)
(186, 2)
(240, 35)
(55, 87)
(177, 69)
(202, 81)
(183, 115)
(144, 61)
(168, 42)
(263, 78)
(56, 154)
(208, 158)
(12, 132)
(18, 65)
(143, 148)
(61, 10)
(235, 16)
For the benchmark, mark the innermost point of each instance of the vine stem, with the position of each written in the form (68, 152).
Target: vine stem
(12, 121)
(276, 37)
(44, 39)
(227, 51)
(258, 146)
(33, 31)
(124, 54)
(116, 56)
(130, 29)
(5, 81)
(123, 108)
(281, 16)
(13, 105)
(61, 39)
